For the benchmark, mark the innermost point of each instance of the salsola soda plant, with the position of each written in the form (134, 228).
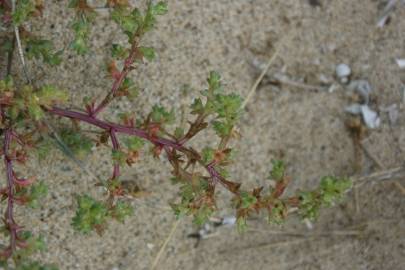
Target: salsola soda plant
(199, 173)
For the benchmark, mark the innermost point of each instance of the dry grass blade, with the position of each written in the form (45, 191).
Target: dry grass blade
(264, 71)
(163, 247)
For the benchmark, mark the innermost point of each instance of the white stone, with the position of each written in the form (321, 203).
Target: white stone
(343, 71)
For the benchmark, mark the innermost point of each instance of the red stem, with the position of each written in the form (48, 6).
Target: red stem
(119, 80)
(9, 218)
(116, 146)
(117, 128)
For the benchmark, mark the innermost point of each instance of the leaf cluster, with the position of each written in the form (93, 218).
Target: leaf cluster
(85, 16)
(329, 192)
(93, 215)
(41, 48)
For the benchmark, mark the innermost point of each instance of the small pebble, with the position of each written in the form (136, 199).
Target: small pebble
(343, 72)
(400, 62)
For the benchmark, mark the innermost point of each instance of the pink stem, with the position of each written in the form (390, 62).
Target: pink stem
(118, 81)
(9, 218)
(116, 146)
(117, 128)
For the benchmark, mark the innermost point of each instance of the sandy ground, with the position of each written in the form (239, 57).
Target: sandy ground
(306, 127)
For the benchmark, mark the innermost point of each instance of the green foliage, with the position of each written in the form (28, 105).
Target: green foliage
(33, 244)
(207, 155)
(214, 83)
(133, 23)
(77, 142)
(160, 115)
(118, 156)
(226, 107)
(37, 48)
(43, 148)
(202, 215)
(148, 53)
(333, 188)
(49, 95)
(134, 143)
(277, 170)
(23, 10)
(241, 224)
(129, 89)
(159, 9)
(81, 26)
(28, 101)
(32, 194)
(150, 17)
(90, 214)
(330, 191)
(37, 192)
(197, 107)
(179, 132)
(121, 210)
(128, 20)
(247, 199)
(277, 213)
(119, 51)
(6, 85)
(189, 193)
(6, 45)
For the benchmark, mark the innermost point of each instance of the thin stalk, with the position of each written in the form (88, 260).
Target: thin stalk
(9, 217)
(116, 147)
(119, 80)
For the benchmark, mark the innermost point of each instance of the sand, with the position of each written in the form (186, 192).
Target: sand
(305, 127)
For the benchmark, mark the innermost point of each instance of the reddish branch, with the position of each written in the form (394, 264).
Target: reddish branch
(114, 128)
(119, 79)
(9, 221)
(116, 147)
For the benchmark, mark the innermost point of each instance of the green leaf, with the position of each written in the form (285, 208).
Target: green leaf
(80, 144)
(241, 224)
(121, 210)
(214, 82)
(228, 107)
(207, 155)
(277, 171)
(202, 215)
(37, 48)
(309, 205)
(80, 46)
(160, 8)
(89, 214)
(276, 215)
(160, 115)
(197, 107)
(81, 27)
(221, 128)
(148, 53)
(180, 210)
(37, 192)
(119, 157)
(128, 21)
(130, 89)
(247, 199)
(43, 148)
(178, 132)
(23, 9)
(134, 143)
(49, 95)
(118, 51)
(333, 188)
